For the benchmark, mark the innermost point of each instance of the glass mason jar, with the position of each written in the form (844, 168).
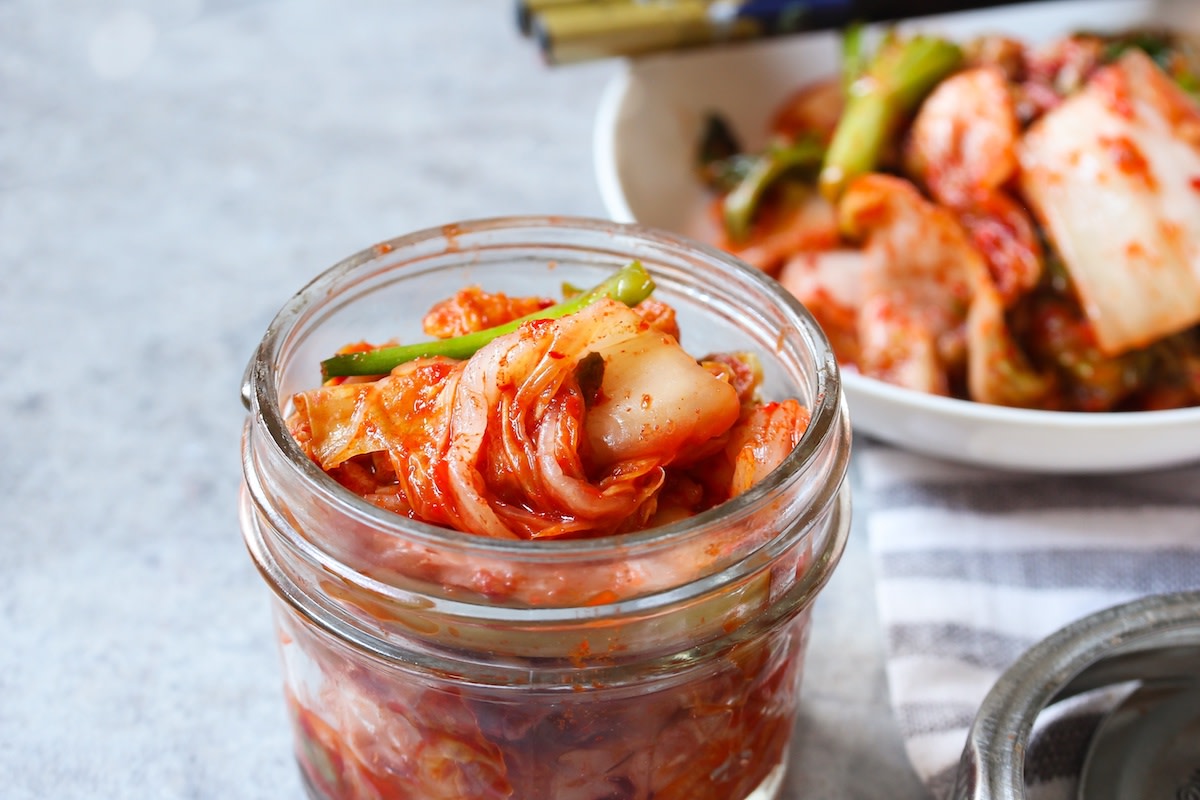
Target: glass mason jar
(421, 662)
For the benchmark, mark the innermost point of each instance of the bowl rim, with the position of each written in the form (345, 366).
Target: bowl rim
(604, 146)
(1030, 417)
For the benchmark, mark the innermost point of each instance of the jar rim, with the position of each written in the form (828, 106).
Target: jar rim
(261, 396)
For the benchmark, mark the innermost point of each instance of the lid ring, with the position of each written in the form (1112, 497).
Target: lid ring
(1153, 638)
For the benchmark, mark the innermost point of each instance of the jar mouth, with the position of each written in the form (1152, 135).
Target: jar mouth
(260, 393)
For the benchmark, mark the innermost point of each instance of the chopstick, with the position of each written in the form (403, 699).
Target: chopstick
(570, 31)
(527, 10)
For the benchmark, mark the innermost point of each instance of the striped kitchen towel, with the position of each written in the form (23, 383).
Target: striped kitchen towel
(974, 566)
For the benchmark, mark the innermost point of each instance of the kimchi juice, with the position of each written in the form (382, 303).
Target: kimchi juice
(421, 662)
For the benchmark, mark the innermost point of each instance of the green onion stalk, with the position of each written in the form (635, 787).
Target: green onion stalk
(740, 205)
(889, 89)
(630, 285)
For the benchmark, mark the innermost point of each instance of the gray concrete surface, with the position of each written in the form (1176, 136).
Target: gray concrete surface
(169, 173)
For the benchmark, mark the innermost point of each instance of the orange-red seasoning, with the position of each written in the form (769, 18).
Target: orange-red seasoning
(451, 232)
(1128, 158)
(1115, 85)
(602, 598)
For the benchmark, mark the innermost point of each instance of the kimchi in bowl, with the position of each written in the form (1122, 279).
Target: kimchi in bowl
(648, 130)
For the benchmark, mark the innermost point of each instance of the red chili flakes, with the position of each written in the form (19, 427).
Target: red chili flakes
(1115, 86)
(658, 315)
(580, 654)
(1172, 233)
(1128, 158)
(472, 309)
(451, 233)
(603, 598)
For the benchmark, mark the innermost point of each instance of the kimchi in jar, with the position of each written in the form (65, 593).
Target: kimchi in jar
(553, 604)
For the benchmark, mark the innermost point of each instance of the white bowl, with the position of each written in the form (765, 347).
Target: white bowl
(647, 129)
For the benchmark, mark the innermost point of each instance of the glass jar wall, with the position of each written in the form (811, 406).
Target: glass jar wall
(422, 662)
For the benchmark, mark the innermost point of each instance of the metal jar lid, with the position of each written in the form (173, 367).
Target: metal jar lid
(1147, 746)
